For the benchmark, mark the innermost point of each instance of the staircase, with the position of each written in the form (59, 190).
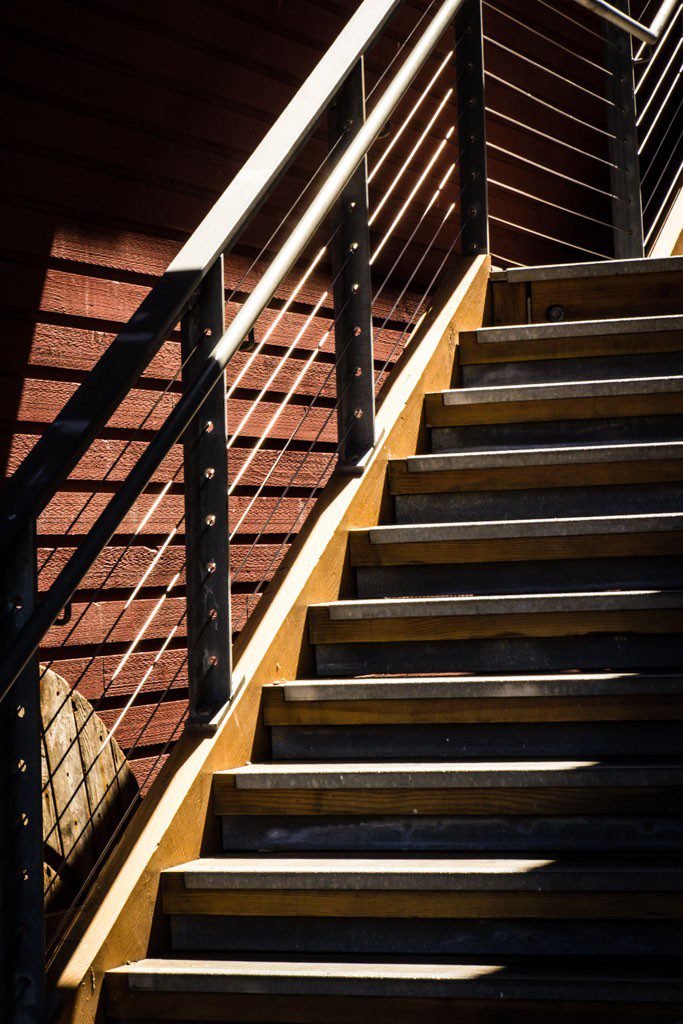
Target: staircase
(473, 813)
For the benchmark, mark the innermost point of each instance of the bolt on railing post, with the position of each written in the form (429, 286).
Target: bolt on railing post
(627, 213)
(22, 943)
(209, 639)
(350, 251)
(471, 134)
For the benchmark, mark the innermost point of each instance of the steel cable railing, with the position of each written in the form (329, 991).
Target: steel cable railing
(553, 169)
(274, 381)
(133, 573)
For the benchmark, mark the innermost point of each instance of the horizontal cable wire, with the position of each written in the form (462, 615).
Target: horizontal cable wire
(140, 526)
(672, 153)
(313, 490)
(553, 172)
(655, 187)
(676, 182)
(548, 71)
(309, 408)
(655, 154)
(643, 112)
(279, 366)
(578, 24)
(407, 284)
(409, 117)
(548, 39)
(557, 206)
(548, 106)
(278, 413)
(506, 259)
(413, 192)
(389, 190)
(427, 291)
(435, 196)
(550, 138)
(290, 484)
(549, 238)
(266, 247)
(662, 107)
(401, 48)
(278, 319)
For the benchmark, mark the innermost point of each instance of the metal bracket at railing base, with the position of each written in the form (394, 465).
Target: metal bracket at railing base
(210, 723)
(358, 468)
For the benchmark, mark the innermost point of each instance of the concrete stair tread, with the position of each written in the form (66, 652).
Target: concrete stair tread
(410, 979)
(567, 389)
(449, 775)
(580, 328)
(546, 455)
(603, 268)
(504, 604)
(433, 533)
(435, 873)
(583, 684)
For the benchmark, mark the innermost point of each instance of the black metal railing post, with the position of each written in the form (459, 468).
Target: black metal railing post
(350, 251)
(471, 134)
(22, 943)
(627, 212)
(209, 638)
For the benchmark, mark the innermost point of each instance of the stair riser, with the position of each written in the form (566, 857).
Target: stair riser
(552, 432)
(547, 371)
(328, 902)
(464, 939)
(315, 1001)
(587, 297)
(451, 625)
(299, 833)
(519, 577)
(550, 654)
(529, 472)
(539, 503)
(589, 741)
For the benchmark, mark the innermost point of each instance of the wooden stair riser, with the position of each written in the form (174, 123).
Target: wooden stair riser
(608, 833)
(420, 904)
(585, 298)
(597, 740)
(184, 1007)
(471, 351)
(323, 630)
(489, 939)
(539, 410)
(562, 800)
(514, 478)
(277, 711)
(513, 549)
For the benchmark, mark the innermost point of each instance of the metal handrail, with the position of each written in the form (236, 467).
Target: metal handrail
(64, 442)
(650, 35)
(187, 269)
